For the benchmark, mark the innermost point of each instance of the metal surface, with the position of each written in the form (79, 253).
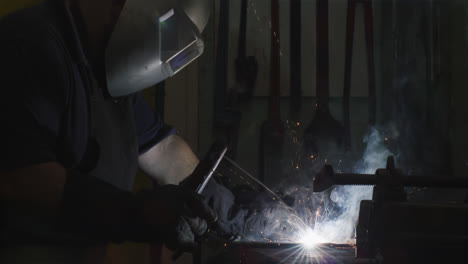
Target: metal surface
(393, 230)
(406, 232)
(272, 253)
(135, 56)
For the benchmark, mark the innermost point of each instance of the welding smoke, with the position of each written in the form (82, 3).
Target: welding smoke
(347, 199)
(333, 214)
(258, 215)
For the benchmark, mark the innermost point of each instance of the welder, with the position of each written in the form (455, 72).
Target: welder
(75, 126)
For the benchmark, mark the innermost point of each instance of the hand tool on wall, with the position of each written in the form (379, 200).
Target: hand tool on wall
(324, 133)
(295, 59)
(272, 130)
(227, 120)
(246, 66)
(369, 32)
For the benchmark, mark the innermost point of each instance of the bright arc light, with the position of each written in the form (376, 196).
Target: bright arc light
(310, 239)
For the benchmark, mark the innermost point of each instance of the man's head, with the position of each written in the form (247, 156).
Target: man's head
(145, 41)
(99, 18)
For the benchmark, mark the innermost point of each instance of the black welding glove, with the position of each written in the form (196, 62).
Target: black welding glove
(223, 202)
(246, 213)
(98, 210)
(178, 214)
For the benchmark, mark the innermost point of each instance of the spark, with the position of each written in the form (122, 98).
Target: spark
(310, 239)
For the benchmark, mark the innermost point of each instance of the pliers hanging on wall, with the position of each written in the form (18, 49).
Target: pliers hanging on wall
(369, 35)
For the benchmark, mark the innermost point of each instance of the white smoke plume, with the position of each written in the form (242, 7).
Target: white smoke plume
(327, 217)
(348, 198)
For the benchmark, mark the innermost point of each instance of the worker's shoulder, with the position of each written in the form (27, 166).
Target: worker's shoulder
(33, 51)
(41, 26)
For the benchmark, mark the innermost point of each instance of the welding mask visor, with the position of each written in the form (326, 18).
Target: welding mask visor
(152, 41)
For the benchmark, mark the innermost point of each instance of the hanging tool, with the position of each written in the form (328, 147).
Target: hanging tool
(295, 59)
(227, 120)
(369, 32)
(324, 133)
(246, 66)
(272, 130)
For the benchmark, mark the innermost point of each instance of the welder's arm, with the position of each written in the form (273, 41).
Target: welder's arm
(170, 161)
(47, 197)
(36, 187)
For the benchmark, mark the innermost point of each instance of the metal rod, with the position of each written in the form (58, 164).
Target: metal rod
(254, 179)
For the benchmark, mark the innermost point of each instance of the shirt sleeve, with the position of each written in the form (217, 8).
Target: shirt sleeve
(32, 78)
(149, 126)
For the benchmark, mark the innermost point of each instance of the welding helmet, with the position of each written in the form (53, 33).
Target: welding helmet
(153, 40)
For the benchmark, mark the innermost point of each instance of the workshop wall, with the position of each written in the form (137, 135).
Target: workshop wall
(431, 111)
(258, 44)
(459, 70)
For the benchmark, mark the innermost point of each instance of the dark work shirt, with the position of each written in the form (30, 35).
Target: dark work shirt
(43, 108)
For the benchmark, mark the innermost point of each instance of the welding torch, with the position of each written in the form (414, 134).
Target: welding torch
(199, 178)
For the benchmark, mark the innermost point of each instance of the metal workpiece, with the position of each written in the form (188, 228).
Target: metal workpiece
(405, 232)
(394, 230)
(389, 177)
(261, 252)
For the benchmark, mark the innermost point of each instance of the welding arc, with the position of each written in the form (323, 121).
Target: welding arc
(281, 201)
(298, 222)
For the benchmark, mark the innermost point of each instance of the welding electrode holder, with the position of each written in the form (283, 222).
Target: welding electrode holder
(205, 169)
(203, 172)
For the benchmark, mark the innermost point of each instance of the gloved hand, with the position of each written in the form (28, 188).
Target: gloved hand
(94, 209)
(223, 202)
(250, 214)
(179, 215)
